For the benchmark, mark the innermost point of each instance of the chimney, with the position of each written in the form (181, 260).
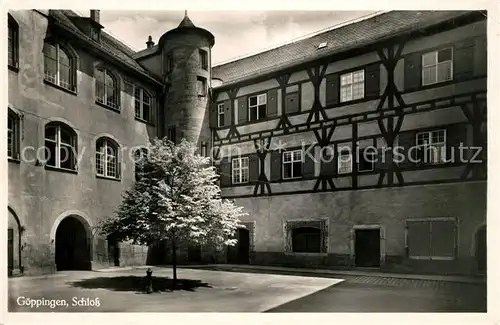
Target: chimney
(150, 42)
(95, 15)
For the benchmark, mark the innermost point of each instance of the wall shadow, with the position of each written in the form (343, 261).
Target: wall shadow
(139, 284)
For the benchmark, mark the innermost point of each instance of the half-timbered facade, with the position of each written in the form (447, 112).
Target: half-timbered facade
(361, 146)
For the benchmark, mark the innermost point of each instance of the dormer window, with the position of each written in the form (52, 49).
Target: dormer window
(95, 34)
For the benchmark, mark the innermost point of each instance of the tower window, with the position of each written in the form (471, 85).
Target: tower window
(204, 59)
(171, 133)
(201, 86)
(169, 63)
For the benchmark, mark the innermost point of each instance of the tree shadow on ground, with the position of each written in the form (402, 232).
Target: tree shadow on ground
(139, 284)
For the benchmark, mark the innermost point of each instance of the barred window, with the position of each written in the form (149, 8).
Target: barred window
(344, 162)
(107, 158)
(106, 87)
(352, 86)
(240, 170)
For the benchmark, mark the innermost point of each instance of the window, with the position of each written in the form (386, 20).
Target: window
(59, 66)
(106, 87)
(106, 159)
(306, 240)
(142, 104)
(171, 134)
(169, 63)
(13, 135)
(13, 43)
(366, 160)
(140, 159)
(292, 164)
(201, 86)
(432, 146)
(344, 162)
(257, 106)
(431, 238)
(220, 115)
(352, 86)
(437, 66)
(60, 146)
(240, 170)
(95, 33)
(204, 60)
(203, 151)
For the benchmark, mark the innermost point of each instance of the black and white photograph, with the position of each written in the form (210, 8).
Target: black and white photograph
(279, 161)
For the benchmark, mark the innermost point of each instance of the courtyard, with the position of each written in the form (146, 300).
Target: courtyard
(202, 290)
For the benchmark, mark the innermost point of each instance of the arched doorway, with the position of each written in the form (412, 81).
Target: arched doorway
(240, 254)
(72, 245)
(13, 244)
(481, 249)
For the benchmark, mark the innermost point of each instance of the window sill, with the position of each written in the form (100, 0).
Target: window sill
(108, 178)
(63, 170)
(14, 160)
(111, 108)
(69, 91)
(13, 68)
(201, 96)
(144, 121)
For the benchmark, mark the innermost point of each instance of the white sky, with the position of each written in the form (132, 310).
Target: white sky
(237, 33)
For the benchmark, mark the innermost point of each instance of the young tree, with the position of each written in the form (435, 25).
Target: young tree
(177, 199)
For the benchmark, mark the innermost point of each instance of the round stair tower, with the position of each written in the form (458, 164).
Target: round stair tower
(186, 54)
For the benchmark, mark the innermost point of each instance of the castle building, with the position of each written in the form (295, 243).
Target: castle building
(360, 146)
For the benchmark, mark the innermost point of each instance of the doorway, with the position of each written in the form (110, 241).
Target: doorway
(72, 245)
(194, 253)
(367, 247)
(481, 250)
(113, 251)
(240, 253)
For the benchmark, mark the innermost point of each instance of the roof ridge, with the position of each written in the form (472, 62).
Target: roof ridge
(303, 37)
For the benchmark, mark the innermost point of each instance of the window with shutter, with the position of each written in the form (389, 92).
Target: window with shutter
(240, 171)
(292, 103)
(437, 66)
(257, 107)
(352, 86)
(220, 115)
(292, 164)
(431, 146)
(431, 238)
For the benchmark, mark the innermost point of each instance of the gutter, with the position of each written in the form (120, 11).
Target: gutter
(104, 52)
(307, 60)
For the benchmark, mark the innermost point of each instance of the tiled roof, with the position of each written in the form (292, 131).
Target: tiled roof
(108, 43)
(357, 34)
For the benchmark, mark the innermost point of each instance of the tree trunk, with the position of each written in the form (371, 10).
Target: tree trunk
(174, 263)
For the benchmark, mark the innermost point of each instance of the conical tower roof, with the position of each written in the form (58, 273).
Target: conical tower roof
(185, 27)
(186, 22)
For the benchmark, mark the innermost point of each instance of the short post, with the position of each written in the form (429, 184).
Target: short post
(149, 280)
